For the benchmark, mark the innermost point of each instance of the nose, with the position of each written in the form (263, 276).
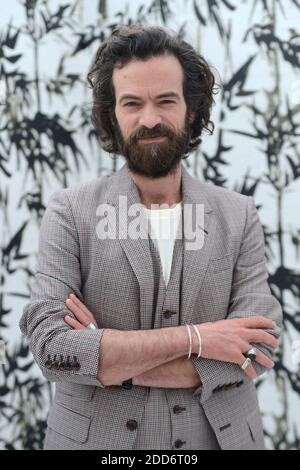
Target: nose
(149, 118)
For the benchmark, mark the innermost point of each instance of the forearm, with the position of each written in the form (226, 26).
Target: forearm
(180, 373)
(125, 354)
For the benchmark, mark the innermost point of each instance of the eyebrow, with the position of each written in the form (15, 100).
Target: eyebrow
(168, 94)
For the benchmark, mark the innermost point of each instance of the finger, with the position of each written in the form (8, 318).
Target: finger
(82, 307)
(257, 322)
(74, 323)
(260, 336)
(264, 360)
(249, 371)
(79, 314)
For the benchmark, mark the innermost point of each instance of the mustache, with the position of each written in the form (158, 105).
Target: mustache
(157, 131)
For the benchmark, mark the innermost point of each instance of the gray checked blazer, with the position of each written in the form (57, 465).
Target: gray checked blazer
(227, 278)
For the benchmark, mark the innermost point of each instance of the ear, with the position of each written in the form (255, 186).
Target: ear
(113, 118)
(192, 117)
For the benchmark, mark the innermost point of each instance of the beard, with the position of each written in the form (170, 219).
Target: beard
(155, 159)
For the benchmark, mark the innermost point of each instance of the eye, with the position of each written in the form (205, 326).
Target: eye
(130, 104)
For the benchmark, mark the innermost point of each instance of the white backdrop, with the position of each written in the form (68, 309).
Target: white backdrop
(254, 150)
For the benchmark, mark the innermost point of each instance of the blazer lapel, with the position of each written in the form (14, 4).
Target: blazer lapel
(137, 250)
(195, 262)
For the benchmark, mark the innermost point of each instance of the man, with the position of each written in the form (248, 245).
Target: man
(153, 343)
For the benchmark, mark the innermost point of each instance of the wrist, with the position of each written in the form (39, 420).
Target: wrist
(185, 340)
(192, 338)
(195, 340)
(206, 333)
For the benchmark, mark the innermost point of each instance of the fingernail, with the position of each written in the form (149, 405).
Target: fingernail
(274, 324)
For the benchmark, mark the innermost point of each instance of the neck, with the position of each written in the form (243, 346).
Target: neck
(164, 190)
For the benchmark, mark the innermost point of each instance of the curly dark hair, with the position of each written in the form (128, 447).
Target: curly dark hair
(143, 42)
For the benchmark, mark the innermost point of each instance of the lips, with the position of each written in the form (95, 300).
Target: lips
(153, 138)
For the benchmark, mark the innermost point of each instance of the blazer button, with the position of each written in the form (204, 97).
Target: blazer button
(178, 444)
(75, 364)
(168, 313)
(132, 425)
(61, 364)
(48, 363)
(178, 409)
(68, 364)
(55, 363)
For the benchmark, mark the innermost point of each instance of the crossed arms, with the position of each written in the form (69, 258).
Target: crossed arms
(152, 357)
(157, 358)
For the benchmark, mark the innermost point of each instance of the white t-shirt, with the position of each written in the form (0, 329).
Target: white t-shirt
(162, 228)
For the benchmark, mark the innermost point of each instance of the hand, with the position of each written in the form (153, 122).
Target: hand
(84, 316)
(228, 340)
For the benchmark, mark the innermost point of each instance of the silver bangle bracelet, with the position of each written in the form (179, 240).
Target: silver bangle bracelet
(200, 342)
(190, 340)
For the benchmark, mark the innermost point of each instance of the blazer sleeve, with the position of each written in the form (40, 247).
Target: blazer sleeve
(57, 275)
(250, 296)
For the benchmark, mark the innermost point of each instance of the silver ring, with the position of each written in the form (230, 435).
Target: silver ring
(251, 354)
(246, 363)
(92, 326)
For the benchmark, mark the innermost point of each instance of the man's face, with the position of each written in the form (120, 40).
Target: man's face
(150, 102)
